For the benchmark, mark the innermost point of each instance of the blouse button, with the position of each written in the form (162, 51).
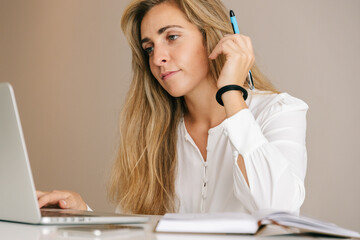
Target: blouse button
(205, 180)
(204, 193)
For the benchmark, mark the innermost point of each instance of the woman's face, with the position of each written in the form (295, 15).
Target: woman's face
(177, 54)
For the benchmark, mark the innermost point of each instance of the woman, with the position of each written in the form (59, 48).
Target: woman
(180, 150)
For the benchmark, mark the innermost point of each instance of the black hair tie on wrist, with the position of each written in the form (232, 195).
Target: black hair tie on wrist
(224, 89)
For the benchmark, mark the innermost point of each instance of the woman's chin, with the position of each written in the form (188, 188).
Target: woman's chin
(176, 95)
(175, 92)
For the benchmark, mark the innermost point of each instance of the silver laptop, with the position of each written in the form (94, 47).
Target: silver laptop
(18, 201)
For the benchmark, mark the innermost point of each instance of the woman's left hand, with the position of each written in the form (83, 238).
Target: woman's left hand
(239, 56)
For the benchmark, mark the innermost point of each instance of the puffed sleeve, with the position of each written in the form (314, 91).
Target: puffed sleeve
(274, 152)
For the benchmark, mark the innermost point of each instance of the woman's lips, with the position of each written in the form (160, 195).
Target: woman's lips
(168, 74)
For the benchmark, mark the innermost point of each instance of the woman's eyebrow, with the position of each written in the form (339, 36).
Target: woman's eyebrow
(163, 29)
(160, 31)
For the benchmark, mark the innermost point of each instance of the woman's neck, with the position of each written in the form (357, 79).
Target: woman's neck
(202, 106)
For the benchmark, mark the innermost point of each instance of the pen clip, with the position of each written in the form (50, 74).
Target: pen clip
(250, 81)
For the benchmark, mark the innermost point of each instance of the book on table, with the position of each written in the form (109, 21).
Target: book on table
(242, 223)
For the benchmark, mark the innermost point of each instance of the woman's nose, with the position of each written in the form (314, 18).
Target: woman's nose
(161, 55)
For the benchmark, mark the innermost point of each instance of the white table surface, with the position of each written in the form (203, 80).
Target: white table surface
(18, 231)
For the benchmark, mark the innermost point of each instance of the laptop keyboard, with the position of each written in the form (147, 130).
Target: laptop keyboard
(45, 213)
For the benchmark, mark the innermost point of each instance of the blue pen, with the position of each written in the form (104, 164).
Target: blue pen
(237, 31)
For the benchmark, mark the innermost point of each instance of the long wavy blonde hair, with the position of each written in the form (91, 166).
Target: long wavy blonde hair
(143, 176)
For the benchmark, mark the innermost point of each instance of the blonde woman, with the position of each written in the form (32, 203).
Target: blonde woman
(180, 150)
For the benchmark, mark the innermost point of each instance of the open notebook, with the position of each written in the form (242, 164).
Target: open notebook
(18, 201)
(241, 223)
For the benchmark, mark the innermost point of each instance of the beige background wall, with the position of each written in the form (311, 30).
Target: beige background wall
(70, 67)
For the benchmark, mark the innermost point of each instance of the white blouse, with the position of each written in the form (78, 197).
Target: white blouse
(270, 136)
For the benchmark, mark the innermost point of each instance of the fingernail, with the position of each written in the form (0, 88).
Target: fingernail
(63, 202)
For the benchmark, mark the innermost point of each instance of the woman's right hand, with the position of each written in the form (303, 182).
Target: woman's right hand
(62, 199)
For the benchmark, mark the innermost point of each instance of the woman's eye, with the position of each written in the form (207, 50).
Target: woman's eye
(149, 50)
(173, 37)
